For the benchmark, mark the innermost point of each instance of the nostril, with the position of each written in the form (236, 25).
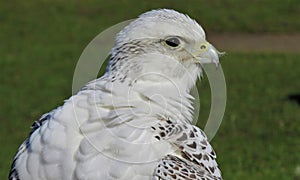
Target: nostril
(203, 47)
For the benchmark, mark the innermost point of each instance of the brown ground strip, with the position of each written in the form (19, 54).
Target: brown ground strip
(256, 42)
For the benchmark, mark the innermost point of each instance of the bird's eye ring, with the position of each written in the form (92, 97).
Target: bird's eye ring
(172, 41)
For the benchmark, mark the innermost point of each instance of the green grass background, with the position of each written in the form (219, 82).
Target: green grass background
(259, 138)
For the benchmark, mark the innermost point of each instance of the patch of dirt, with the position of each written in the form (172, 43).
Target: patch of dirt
(256, 42)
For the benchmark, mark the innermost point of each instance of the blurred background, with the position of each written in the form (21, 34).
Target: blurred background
(259, 138)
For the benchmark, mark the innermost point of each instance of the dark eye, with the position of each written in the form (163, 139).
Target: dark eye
(173, 42)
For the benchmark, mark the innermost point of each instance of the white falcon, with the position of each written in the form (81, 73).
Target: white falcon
(134, 122)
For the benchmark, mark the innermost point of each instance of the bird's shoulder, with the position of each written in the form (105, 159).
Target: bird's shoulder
(49, 134)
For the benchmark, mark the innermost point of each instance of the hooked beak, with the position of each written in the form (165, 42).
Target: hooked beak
(208, 55)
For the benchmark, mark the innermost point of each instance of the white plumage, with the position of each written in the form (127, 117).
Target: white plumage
(135, 121)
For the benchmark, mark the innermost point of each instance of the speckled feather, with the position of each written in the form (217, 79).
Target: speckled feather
(194, 158)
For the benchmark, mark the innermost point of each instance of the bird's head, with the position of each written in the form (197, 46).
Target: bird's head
(161, 45)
